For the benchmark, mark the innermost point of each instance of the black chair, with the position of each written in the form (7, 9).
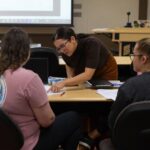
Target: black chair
(44, 61)
(132, 127)
(11, 137)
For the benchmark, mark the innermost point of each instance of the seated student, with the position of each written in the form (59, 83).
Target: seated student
(86, 58)
(25, 100)
(136, 88)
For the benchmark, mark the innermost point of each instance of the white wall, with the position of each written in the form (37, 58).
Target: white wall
(104, 13)
(148, 10)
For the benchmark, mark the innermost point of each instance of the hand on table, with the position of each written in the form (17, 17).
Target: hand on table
(57, 86)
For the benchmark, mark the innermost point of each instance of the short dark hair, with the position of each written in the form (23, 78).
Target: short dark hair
(64, 33)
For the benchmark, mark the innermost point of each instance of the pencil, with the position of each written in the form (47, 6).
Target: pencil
(62, 93)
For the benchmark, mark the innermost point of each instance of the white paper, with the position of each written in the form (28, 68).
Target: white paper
(49, 92)
(108, 93)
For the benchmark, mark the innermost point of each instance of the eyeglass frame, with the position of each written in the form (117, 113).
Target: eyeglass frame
(62, 46)
(133, 55)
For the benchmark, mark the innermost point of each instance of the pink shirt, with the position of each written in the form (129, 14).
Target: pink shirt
(25, 91)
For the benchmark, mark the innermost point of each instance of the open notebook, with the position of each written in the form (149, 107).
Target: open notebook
(99, 84)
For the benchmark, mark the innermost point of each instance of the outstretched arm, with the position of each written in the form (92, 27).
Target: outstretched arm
(81, 78)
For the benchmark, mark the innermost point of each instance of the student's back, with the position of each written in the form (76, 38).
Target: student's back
(134, 90)
(24, 99)
(21, 87)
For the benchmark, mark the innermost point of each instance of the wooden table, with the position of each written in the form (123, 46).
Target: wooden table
(121, 60)
(121, 35)
(81, 99)
(78, 94)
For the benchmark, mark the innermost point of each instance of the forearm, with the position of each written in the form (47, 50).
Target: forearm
(44, 115)
(81, 78)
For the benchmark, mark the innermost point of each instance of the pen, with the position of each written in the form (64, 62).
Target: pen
(48, 90)
(62, 93)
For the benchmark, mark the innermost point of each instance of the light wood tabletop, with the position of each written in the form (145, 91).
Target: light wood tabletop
(121, 60)
(78, 94)
(121, 30)
(121, 35)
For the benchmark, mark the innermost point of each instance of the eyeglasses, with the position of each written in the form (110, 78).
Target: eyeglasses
(133, 55)
(62, 46)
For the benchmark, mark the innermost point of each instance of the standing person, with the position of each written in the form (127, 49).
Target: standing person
(25, 100)
(136, 88)
(86, 58)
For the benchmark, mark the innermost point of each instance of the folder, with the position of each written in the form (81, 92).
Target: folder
(100, 84)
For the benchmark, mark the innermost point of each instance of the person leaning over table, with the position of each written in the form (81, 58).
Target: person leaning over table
(25, 100)
(86, 58)
(134, 89)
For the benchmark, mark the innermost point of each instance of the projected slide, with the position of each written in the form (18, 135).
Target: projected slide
(42, 12)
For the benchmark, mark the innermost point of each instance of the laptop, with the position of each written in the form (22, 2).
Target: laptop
(99, 84)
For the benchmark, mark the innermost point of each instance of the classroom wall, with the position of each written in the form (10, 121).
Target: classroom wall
(104, 14)
(95, 14)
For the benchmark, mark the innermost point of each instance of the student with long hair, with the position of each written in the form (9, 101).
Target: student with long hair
(25, 100)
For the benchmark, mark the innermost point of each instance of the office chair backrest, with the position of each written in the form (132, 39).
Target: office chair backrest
(11, 137)
(132, 127)
(43, 61)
